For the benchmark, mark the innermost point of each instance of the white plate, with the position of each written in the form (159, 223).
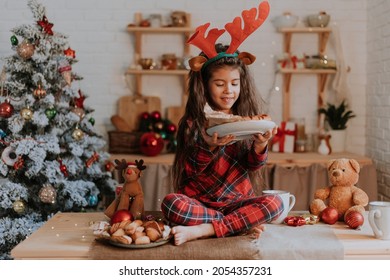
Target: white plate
(144, 246)
(242, 129)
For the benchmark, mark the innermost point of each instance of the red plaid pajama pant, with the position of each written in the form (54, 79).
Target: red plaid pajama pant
(231, 219)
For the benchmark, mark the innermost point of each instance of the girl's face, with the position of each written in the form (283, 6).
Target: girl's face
(224, 88)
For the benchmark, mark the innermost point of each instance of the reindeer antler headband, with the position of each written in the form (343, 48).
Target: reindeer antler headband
(238, 35)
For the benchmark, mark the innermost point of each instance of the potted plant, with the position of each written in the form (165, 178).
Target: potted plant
(337, 118)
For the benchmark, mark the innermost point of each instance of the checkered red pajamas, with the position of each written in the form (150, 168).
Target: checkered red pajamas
(232, 219)
(216, 189)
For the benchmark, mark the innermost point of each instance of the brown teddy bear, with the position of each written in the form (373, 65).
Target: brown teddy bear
(342, 194)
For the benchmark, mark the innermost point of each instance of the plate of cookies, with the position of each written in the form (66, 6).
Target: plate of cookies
(135, 234)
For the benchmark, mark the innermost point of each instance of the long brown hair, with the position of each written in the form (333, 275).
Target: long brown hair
(247, 104)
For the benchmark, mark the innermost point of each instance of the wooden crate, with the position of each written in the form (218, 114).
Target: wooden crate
(124, 142)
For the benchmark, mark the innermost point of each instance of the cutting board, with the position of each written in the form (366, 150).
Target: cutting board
(130, 108)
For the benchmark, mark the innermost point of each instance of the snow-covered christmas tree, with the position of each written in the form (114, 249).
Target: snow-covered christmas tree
(52, 157)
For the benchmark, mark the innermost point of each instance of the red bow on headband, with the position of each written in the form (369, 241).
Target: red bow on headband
(237, 33)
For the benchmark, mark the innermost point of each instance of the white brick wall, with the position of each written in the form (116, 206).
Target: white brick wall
(96, 30)
(378, 88)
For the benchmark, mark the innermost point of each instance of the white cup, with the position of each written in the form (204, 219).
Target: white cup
(379, 218)
(288, 203)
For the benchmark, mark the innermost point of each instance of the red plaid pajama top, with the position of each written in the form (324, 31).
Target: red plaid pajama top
(217, 189)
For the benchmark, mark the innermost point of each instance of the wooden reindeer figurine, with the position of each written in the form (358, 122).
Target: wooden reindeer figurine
(131, 197)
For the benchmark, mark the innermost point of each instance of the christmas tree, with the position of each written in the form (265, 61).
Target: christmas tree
(52, 157)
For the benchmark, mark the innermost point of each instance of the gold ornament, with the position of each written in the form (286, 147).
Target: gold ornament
(78, 134)
(25, 50)
(48, 194)
(26, 114)
(39, 92)
(19, 206)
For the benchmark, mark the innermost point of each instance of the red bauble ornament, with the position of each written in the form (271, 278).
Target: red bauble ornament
(171, 128)
(329, 215)
(145, 115)
(151, 144)
(120, 216)
(354, 219)
(6, 109)
(156, 115)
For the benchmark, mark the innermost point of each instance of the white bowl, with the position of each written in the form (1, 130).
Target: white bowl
(285, 20)
(319, 20)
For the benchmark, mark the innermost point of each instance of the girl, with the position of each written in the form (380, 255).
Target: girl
(211, 174)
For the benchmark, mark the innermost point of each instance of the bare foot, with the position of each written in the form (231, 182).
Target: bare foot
(183, 234)
(257, 231)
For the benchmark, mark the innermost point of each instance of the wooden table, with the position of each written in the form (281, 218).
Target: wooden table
(69, 236)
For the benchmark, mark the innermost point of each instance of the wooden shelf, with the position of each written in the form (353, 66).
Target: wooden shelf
(322, 74)
(160, 29)
(157, 72)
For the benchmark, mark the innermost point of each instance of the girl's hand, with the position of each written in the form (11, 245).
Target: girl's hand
(213, 141)
(261, 140)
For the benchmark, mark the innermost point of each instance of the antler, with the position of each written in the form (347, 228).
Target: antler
(206, 44)
(120, 165)
(250, 25)
(140, 164)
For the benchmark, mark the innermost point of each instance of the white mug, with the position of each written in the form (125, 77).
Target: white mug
(288, 203)
(379, 219)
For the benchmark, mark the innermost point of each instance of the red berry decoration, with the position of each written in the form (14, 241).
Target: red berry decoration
(155, 115)
(329, 215)
(171, 128)
(354, 219)
(151, 144)
(145, 116)
(120, 216)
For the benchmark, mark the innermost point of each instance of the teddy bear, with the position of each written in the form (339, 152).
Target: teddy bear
(342, 194)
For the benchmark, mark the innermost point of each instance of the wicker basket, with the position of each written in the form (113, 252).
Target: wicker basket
(124, 142)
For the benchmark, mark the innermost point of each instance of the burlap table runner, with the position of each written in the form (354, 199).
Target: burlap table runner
(276, 243)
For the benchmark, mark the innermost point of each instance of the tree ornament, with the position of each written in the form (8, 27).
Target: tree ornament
(92, 159)
(70, 53)
(79, 112)
(39, 92)
(48, 194)
(155, 115)
(45, 25)
(50, 113)
(78, 134)
(26, 114)
(109, 166)
(93, 200)
(2, 134)
(63, 168)
(6, 109)
(25, 50)
(151, 144)
(79, 102)
(19, 206)
(91, 121)
(9, 156)
(14, 40)
(19, 163)
(66, 71)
